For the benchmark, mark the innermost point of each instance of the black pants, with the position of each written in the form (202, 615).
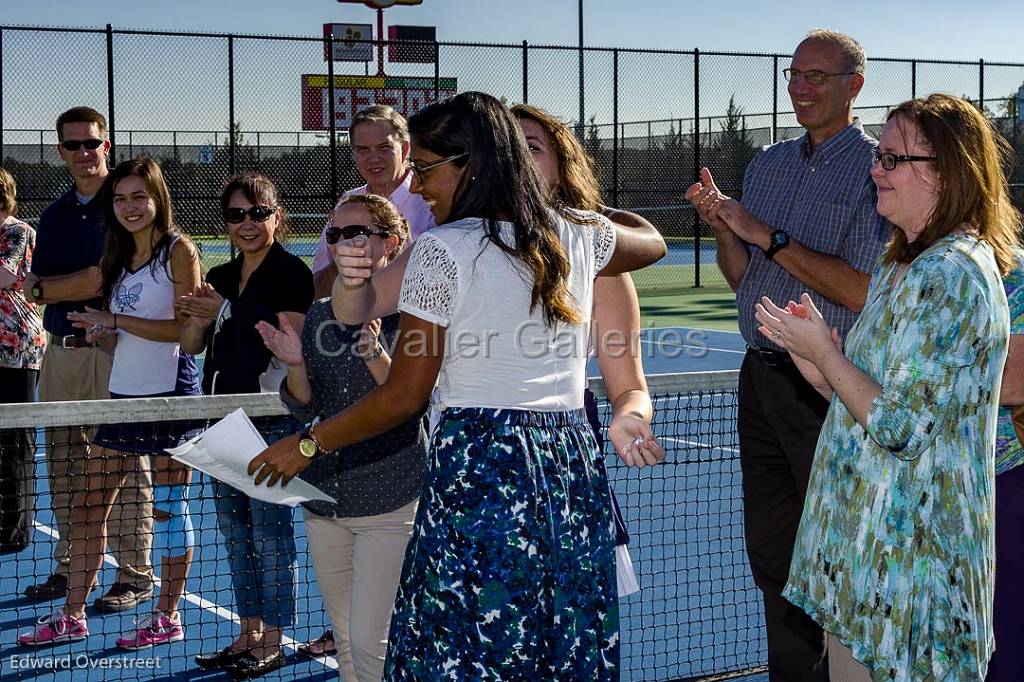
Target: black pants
(780, 416)
(17, 464)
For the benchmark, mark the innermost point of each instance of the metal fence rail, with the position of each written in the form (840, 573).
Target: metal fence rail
(208, 105)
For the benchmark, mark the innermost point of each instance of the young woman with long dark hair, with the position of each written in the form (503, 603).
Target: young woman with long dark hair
(510, 572)
(146, 263)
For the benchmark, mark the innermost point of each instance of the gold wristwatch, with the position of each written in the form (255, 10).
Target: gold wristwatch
(309, 446)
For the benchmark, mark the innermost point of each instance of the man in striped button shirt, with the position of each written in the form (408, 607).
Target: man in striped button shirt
(807, 222)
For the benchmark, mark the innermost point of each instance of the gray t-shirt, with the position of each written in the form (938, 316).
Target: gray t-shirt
(373, 477)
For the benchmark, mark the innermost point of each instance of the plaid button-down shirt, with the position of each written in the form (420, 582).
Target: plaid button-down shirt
(826, 201)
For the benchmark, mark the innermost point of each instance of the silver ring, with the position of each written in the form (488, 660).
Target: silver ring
(777, 334)
(96, 328)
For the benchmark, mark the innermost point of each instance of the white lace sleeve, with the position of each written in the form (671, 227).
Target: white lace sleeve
(431, 283)
(604, 243)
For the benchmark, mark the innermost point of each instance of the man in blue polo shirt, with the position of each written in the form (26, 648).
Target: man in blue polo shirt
(66, 277)
(807, 222)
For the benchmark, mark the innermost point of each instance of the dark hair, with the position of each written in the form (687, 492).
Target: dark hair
(119, 245)
(258, 189)
(500, 182)
(81, 115)
(577, 185)
(384, 214)
(970, 158)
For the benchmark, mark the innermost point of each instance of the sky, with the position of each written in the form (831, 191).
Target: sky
(937, 29)
(180, 84)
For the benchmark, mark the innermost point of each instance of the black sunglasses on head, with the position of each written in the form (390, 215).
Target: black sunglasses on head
(258, 213)
(75, 145)
(334, 234)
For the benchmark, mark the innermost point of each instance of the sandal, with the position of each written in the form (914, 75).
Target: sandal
(321, 646)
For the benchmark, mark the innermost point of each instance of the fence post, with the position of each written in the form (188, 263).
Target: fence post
(111, 127)
(581, 129)
(231, 107)
(40, 146)
(615, 127)
(131, 148)
(437, 71)
(526, 73)
(332, 123)
(696, 163)
(775, 98)
(981, 85)
(1, 97)
(913, 79)
(174, 143)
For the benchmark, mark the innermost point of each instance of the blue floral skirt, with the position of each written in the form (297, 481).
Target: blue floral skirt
(510, 571)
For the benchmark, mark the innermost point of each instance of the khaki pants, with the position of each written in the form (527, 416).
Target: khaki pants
(84, 374)
(842, 666)
(358, 563)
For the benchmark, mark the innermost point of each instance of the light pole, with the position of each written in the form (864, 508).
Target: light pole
(580, 129)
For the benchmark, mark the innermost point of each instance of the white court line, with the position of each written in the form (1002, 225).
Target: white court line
(700, 329)
(697, 444)
(227, 614)
(687, 345)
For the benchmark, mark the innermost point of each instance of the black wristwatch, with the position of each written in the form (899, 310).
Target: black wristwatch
(309, 446)
(778, 241)
(37, 291)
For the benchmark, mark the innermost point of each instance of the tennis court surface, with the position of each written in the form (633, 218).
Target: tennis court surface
(698, 613)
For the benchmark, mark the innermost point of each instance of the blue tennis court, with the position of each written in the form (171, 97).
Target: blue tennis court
(697, 614)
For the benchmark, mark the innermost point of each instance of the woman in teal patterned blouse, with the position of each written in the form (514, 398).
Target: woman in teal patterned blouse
(894, 556)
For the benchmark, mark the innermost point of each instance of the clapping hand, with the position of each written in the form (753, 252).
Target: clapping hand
(283, 342)
(723, 213)
(801, 329)
(202, 304)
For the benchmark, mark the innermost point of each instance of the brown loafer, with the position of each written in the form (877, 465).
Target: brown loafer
(54, 587)
(122, 597)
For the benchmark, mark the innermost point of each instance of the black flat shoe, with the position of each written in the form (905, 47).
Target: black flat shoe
(225, 658)
(248, 667)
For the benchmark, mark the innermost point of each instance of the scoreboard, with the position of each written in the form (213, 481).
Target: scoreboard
(407, 95)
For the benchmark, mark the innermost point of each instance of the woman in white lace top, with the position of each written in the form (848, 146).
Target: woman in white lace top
(510, 571)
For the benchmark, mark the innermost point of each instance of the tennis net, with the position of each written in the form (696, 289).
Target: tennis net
(697, 615)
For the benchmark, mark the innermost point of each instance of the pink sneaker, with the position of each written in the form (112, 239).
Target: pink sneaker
(154, 628)
(56, 628)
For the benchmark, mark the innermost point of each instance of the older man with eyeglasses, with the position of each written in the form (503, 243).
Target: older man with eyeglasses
(380, 147)
(66, 277)
(807, 222)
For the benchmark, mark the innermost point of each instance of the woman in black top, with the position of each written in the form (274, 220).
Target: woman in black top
(359, 543)
(260, 283)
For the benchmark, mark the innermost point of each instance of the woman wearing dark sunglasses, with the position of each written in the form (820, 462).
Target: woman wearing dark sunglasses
(357, 544)
(510, 572)
(260, 284)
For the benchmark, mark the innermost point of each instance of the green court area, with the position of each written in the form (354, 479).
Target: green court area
(668, 297)
(703, 308)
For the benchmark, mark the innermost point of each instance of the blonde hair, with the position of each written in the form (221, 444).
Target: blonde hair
(8, 192)
(384, 215)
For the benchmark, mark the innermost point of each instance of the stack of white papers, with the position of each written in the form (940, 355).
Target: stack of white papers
(224, 451)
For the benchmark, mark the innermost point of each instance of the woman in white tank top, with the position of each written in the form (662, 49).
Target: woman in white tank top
(146, 265)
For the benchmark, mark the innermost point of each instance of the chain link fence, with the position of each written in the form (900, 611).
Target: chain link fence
(209, 105)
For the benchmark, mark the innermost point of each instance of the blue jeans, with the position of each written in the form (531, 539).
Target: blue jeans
(260, 539)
